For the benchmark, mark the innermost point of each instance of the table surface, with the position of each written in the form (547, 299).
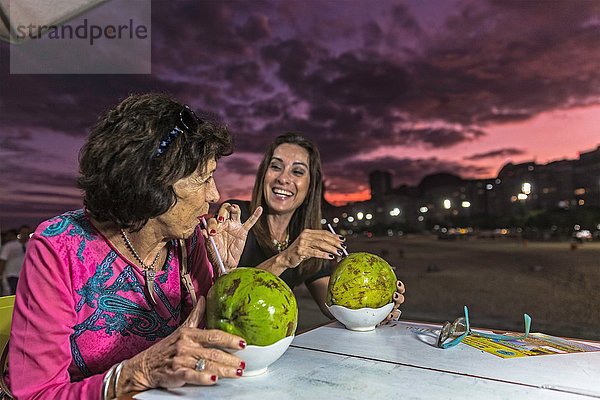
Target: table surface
(401, 359)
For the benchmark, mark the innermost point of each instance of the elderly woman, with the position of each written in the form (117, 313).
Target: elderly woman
(288, 239)
(106, 300)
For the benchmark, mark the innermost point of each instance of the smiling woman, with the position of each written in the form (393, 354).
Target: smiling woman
(288, 239)
(121, 278)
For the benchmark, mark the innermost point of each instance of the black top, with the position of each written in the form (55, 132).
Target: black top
(253, 255)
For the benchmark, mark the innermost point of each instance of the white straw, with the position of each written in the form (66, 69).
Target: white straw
(332, 231)
(214, 246)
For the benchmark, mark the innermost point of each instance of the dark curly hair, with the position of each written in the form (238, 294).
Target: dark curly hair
(123, 179)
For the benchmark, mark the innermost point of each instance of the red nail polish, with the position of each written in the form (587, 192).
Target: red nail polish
(212, 231)
(243, 365)
(242, 344)
(213, 378)
(239, 372)
(221, 219)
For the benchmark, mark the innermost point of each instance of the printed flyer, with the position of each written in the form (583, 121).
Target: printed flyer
(536, 344)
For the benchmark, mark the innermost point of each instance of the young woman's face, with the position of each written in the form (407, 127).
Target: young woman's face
(194, 195)
(287, 179)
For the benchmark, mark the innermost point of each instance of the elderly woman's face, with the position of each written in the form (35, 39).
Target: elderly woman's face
(287, 178)
(194, 195)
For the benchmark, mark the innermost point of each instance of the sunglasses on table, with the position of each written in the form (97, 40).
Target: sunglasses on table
(188, 121)
(453, 333)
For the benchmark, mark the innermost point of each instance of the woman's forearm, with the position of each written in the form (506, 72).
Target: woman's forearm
(275, 265)
(318, 291)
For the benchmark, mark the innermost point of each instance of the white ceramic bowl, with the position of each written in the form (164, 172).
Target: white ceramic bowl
(258, 358)
(363, 319)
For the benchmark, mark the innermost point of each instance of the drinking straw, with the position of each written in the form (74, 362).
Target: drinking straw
(332, 231)
(214, 246)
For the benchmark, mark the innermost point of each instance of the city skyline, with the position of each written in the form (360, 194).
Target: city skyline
(415, 87)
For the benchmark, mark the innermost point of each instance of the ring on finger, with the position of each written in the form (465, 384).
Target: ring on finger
(200, 365)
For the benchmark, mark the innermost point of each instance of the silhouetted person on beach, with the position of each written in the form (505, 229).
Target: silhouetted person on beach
(11, 258)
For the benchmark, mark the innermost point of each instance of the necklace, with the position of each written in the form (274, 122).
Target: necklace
(149, 271)
(281, 246)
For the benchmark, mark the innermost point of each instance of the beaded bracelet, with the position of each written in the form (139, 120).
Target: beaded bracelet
(105, 382)
(117, 375)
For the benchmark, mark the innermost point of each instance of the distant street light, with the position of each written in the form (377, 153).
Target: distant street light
(447, 204)
(466, 204)
(423, 209)
(395, 212)
(369, 216)
(522, 196)
(360, 215)
(336, 220)
(526, 188)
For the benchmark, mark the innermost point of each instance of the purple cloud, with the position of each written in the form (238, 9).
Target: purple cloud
(506, 152)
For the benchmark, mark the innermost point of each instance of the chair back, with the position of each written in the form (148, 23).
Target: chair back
(7, 304)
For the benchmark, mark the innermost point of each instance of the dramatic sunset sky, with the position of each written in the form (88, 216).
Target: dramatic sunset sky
(414, 87)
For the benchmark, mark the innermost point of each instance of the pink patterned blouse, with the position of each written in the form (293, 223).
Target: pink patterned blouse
(82, 307)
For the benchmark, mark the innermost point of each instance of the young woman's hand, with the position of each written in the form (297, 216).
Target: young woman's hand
(312, 243)
(398, 300)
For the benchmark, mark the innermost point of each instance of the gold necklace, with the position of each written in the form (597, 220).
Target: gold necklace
(281, 246)
(149, 271)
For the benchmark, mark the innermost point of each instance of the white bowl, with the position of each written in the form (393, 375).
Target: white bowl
(258, 358)
(363, 319)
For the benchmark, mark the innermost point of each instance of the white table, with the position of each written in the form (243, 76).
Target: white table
(396, 362)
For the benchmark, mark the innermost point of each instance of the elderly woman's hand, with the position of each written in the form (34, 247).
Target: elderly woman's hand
(188, 355)
(312, 243)
(229, 234)
(398, 300)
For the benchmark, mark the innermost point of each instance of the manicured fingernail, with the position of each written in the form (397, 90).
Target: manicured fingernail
(396, 296)
(220, 219)
(343, 245)
(343, 239)
(212, 231)
(243, 365)
(242, 344)
(213, 378)
(331, 256)
(340, 252)
(239, 372)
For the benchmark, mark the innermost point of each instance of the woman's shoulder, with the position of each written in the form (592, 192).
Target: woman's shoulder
(69, 232)
(71, 223)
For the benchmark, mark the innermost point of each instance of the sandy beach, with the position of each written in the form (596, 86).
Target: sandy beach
(498, 280)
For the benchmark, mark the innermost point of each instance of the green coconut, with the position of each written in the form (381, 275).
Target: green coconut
(253, 304)
(361, 280)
